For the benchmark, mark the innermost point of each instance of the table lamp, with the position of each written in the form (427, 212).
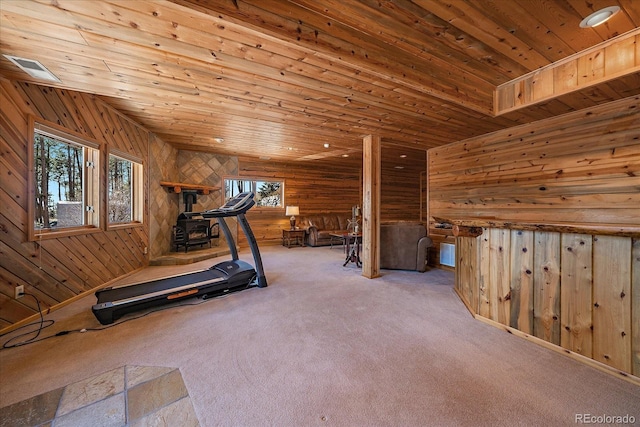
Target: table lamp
(292, 211)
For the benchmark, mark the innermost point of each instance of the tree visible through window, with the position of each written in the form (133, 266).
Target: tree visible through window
(125, 191)
(267, 193)
(59, 182)
(120, 189)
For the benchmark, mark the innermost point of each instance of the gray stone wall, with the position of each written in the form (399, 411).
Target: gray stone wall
(169, 164)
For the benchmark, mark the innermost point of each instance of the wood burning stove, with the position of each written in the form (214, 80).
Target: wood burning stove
(191, 228)
(191, 231)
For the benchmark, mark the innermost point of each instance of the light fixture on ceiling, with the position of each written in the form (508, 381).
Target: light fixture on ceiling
(399, 167)
(218, 139)
(345, 155)
(326, 145)
(599, 17)
(34, 68)
(403, 156)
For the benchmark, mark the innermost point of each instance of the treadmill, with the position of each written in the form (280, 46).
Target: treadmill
(220, 279)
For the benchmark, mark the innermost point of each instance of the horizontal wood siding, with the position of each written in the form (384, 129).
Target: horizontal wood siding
(576, 291)
(57, 269)
(321, 187)
(313, 188)
(400, 170)
(581, 168)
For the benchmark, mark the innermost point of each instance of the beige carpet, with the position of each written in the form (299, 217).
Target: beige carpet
(324, 346)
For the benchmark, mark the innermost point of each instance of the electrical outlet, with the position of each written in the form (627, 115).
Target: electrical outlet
(19, 291)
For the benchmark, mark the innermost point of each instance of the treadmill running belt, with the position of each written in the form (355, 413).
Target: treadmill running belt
(162, 286)
(225, 277)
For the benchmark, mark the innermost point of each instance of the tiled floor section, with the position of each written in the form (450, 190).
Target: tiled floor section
(128, 396)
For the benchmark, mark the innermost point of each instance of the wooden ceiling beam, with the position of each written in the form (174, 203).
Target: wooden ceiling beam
(609, 60)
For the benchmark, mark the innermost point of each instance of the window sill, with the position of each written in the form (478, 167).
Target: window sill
(65, 232)
(134, 224)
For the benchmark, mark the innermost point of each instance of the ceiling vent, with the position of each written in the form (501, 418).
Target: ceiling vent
(33, 68)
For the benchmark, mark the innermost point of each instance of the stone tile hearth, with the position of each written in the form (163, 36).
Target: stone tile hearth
(126, 396)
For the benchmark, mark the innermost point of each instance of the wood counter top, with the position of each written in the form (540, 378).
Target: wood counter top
(598, 229)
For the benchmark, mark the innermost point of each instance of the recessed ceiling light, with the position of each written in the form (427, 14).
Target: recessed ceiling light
(218, 139)
(403, 156)
(34, 68)
(326, 145)
(345, 155)
(399, 167)
(599, 17)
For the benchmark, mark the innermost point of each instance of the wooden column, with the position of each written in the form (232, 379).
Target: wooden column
(371, 206)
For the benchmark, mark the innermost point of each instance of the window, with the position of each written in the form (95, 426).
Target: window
(124, 189)
(267, 193)
(64, 181)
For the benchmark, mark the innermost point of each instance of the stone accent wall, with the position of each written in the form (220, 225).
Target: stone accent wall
(163, 206)
(169, 164)
(208, 169)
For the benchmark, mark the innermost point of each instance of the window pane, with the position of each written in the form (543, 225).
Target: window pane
(233, 187)
(58, 183)
(269, 193)
(120, 186)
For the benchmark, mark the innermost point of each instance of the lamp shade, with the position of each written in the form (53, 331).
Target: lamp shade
(292, 210)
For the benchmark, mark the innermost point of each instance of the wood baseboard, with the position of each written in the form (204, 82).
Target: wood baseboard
(575, 356)
(58, 306)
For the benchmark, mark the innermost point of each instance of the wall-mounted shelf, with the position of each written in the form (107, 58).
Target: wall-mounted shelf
(178, 187)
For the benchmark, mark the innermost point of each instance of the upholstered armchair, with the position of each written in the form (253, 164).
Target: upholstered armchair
(403, 246)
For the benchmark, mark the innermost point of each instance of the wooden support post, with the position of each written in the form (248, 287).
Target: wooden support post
(371, 206)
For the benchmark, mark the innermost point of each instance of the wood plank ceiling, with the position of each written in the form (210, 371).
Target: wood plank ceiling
(281, 78)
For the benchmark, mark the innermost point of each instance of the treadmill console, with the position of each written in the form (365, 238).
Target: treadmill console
(233, 207)
(238, 202)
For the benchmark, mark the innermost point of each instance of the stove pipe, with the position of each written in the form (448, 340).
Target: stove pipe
(189, 199)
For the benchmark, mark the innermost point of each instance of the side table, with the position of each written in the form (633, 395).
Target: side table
(351, 243)
(295, 236)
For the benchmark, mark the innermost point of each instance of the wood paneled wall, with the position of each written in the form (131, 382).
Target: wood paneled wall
(581, 168)
(58, 269)
(576, 291)
(319, 187)
(400, 195)
(314, 188)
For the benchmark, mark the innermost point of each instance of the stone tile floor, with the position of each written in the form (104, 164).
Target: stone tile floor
(128, 396)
